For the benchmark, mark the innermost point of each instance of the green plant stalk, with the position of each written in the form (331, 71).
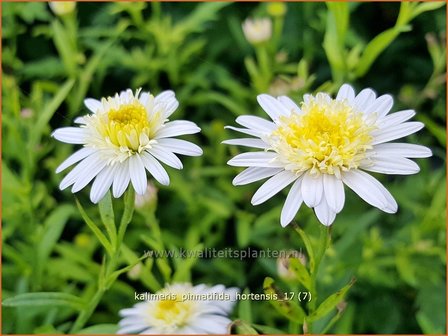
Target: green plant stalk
(103, 282)
(265, 69)
(322, 246)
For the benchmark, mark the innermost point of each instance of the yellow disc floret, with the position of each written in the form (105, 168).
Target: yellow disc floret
(328, 136)
(173, 313)
(126, 124)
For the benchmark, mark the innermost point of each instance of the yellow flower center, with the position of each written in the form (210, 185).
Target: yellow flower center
(174, 313)
(126, 124)
(327, 137)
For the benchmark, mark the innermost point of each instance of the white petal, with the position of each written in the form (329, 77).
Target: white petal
(75, 157)
(144, 98)
(177, 127)
(272, 106)
(212, 324)
(346, 92)
(89, 173)
(92, 104)
(71, 135)
(164, 96)
(255, 159)
(138, 174)
(180, 146)
(165, 156)
(134, 328)
(381, 106)
(292, 204)
(155, 168)
(253, 174)
(79, 170)
(79, 120)
(403, 150)
(334, 192)
(121, 179)
(312, 189)
(396, 132)
(151, 331)
(273, 186)
(170, 107)
(245, 131)
(370, 190)
(386, 164)
(248, 142)
(289, 104)
(256, 123)
(324, 213)
(395, 118)
(102, 183)
(365, 98)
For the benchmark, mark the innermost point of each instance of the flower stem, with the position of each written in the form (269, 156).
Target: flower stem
(106, 280)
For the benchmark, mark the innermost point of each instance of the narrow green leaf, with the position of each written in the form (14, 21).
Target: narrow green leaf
(308, 246)
(108, 217)
(99, 329)
(64, 47)
(129, 201)
(244, 308)
(182, 272)
(427, 6)
(288, 308)
(268, 329)
(301, 272)
(44, 299)
(101, 237)
(53, 226)
(47, 113)
(242, 328)
(330, 303)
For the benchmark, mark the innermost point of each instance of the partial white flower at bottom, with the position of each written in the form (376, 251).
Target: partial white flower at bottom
(324, 144)
(177, 316)
(122, 138)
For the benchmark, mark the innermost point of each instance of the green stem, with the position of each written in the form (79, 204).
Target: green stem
(87, 312)
(103, 282)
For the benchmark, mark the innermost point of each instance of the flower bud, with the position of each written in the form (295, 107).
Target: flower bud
(61, 8)
(257, 30)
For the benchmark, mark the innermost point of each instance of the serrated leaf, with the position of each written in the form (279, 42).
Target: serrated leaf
(44, 299)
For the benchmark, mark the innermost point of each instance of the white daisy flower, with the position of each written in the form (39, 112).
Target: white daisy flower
(181, 309)
(123, 137)
(257, 30)
(324, 144)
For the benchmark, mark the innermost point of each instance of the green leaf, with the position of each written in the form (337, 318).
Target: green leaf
(47, 113)
(183, 269)
(308, 246)
(65, 49)
(427, 6)
(101, 237)
(106, 328)
(108, 217)
(268, 329)
(243, 227)
(330, 303)
(334, 40)
(301, 272)
(244, 308)
(129, 200)
(53, 226)
(242, 328)
(44, 299)
(290, 309)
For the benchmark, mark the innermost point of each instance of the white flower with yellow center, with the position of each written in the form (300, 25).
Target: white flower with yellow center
(181, 309)
(324, 144)
(123, 137)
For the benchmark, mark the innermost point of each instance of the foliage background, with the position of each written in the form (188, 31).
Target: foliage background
(50, 64)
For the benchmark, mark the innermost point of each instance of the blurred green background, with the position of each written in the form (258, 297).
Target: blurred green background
(51, 63)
